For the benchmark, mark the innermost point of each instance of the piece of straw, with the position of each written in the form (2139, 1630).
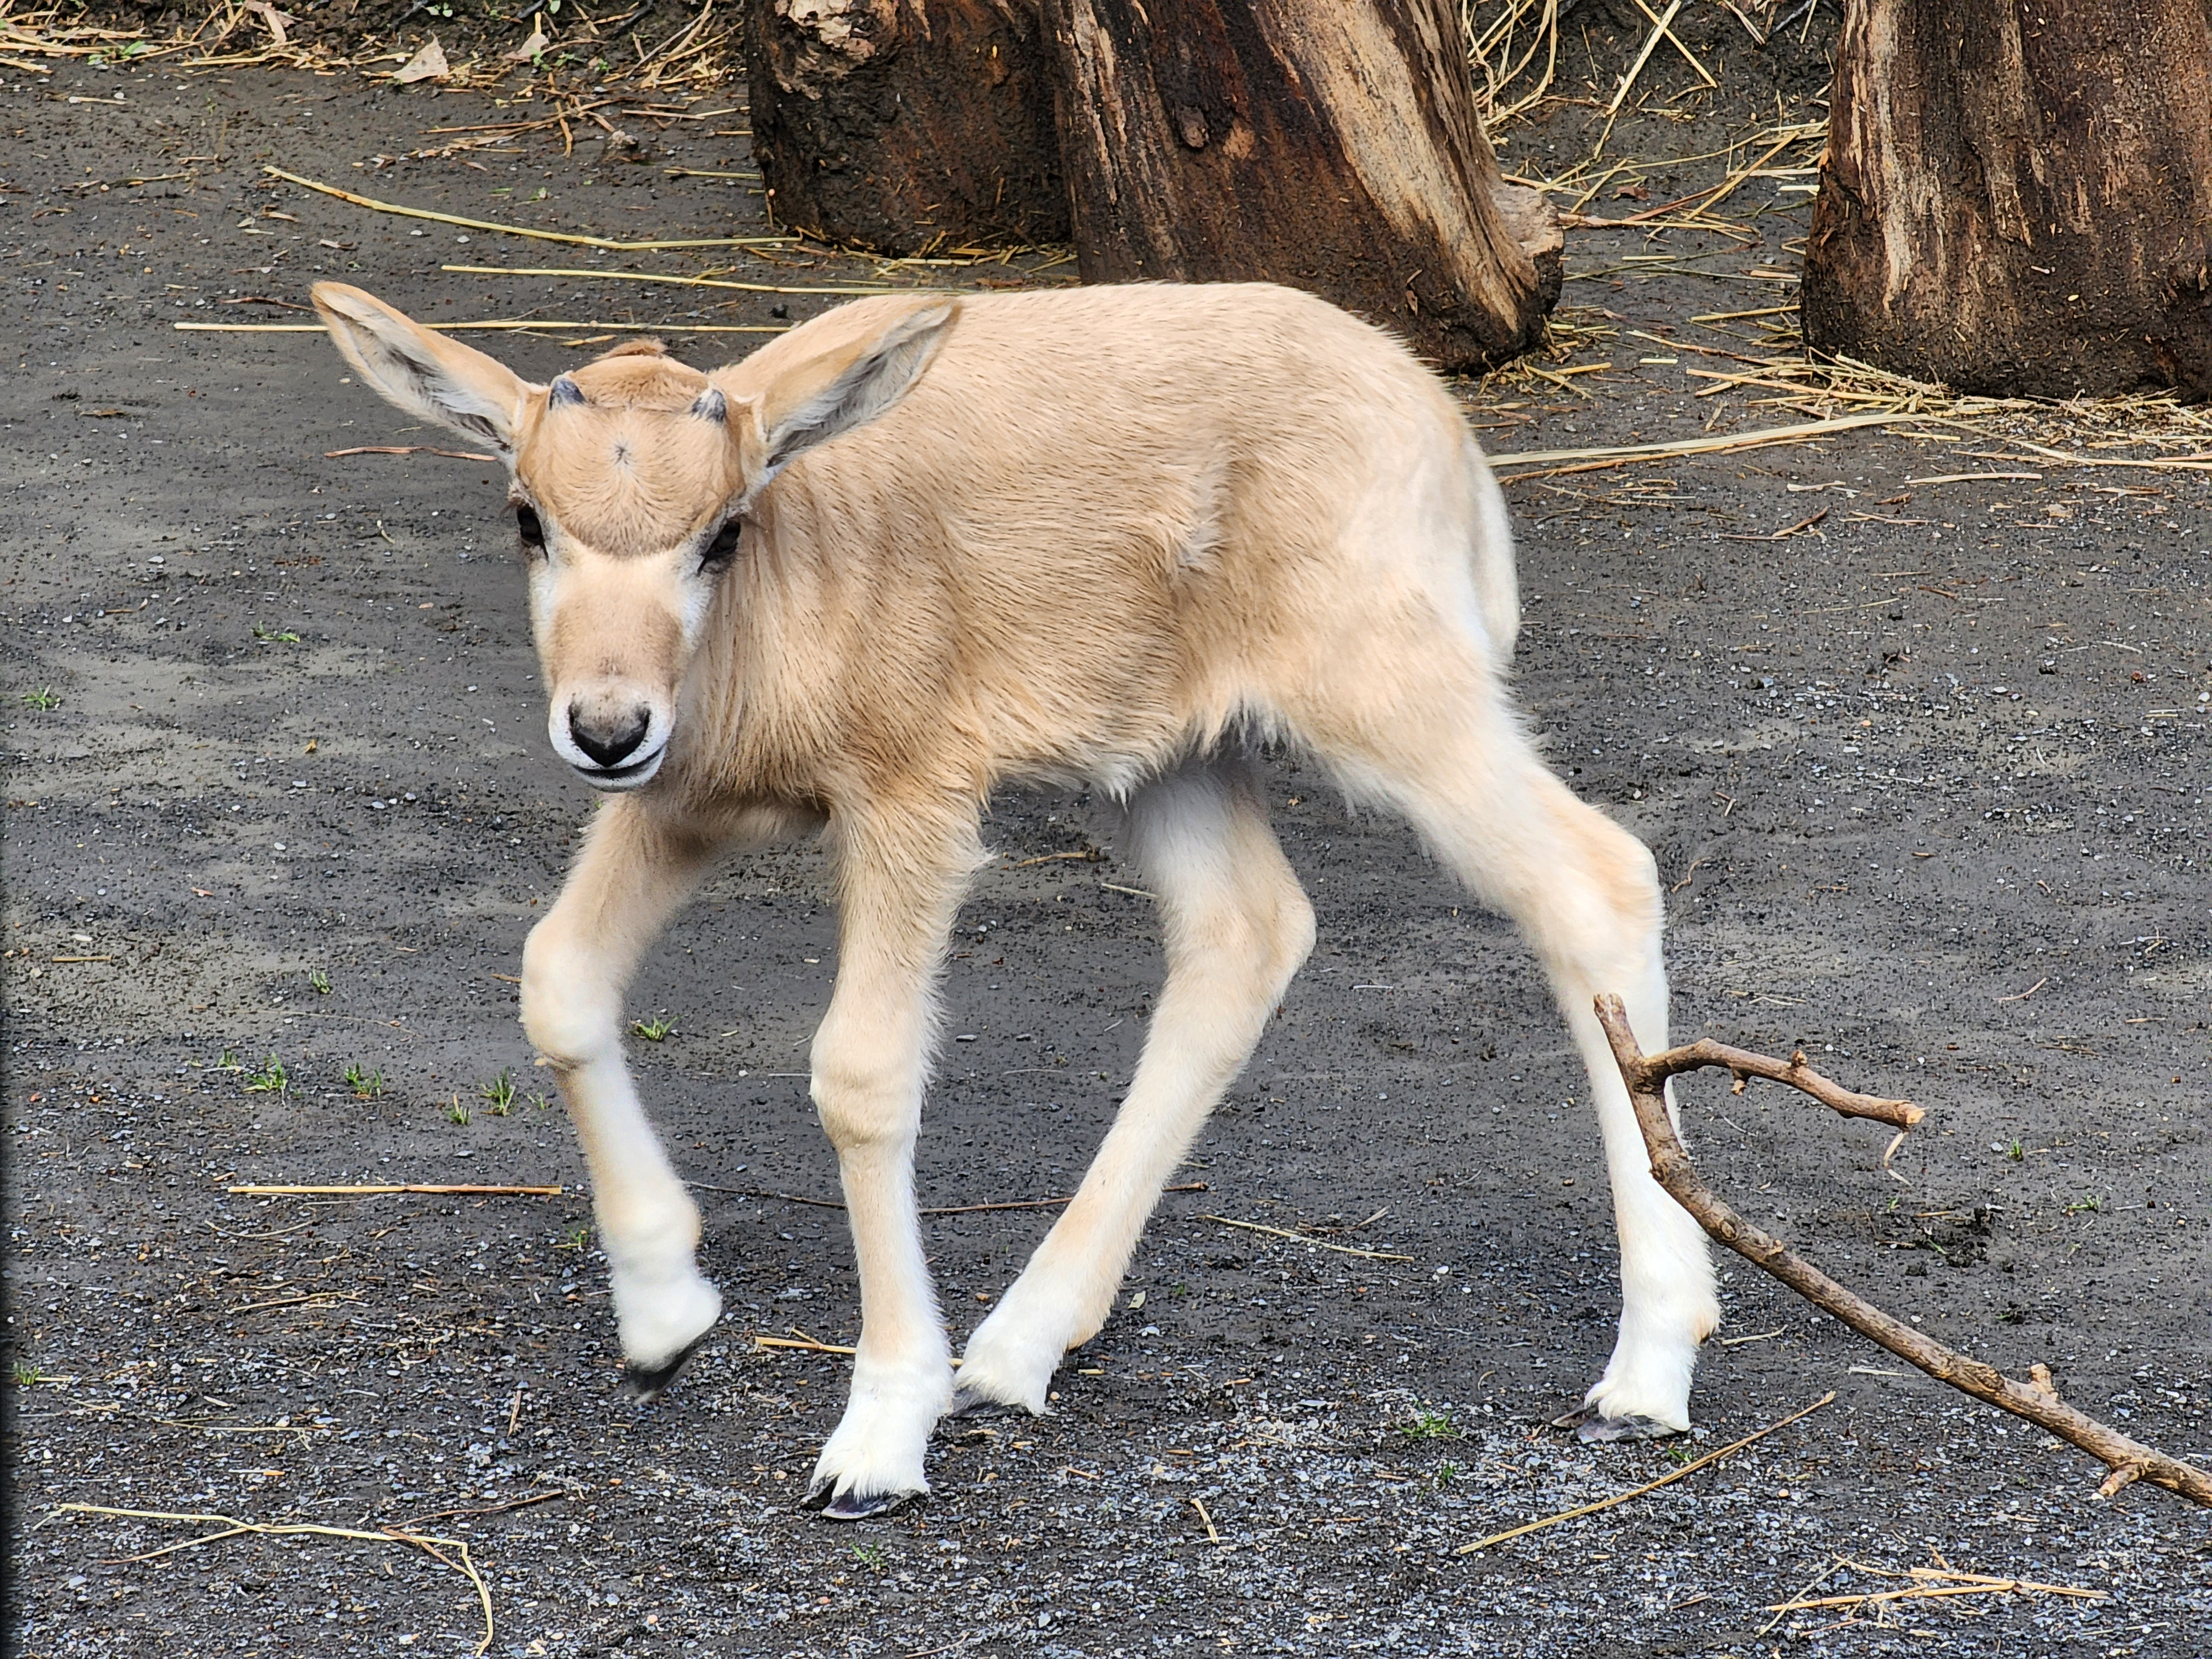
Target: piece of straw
(1772, 435)
(1663, 1481)
(603, 242)
(370, 1190)
(524, 325)
(430, 1544)
(655, 276)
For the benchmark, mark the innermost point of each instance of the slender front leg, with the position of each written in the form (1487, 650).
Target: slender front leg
(900, 881)
(634, 874)
(1237, 927)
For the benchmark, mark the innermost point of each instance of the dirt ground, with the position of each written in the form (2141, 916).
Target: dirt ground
(1925, 781)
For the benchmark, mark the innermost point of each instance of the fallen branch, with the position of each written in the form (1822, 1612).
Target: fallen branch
(409, 1187)
(1581, 1509)
(2036, 1400)
(230, 1527)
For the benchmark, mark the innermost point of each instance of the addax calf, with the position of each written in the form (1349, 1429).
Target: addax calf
(921, 545)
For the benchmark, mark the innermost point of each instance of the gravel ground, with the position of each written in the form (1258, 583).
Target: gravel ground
(1925, 782)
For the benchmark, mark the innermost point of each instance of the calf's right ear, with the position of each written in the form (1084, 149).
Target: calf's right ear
(423, 372)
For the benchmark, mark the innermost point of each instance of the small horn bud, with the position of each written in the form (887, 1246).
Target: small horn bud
(709, 405)
(566, 390)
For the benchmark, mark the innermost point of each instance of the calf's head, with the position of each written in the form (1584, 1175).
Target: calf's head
(629, 478)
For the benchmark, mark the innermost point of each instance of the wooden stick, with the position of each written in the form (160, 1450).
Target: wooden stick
(372, 1190)
(947, 1209)
(2036, 1400)
(603, 242)
(1663, 1481)
(429, 1543)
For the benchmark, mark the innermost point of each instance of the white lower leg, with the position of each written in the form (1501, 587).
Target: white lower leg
(1669, 1304)
(649, 1225)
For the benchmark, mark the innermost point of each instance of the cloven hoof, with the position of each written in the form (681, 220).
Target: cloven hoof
(645, 1383)
(978, 1407)
(855, 1506)
(1593, 1430)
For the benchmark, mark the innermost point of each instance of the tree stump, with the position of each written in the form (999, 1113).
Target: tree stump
(1331, 145)
(904, 124)
(2017, 200)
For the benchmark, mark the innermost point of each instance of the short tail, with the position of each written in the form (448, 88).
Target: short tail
(1497, 589)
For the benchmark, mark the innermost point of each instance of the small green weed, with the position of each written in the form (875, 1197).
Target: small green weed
(1677, 1454)
(1429, 1426)
(320, 980)
(457, 1114)
(2088, 1203)
(658, 1029)
(271, 1079)
(27, 1375)
(366, 1084)
(1446, 1474)
(576, 1238)
(2016, 1152)
(871, 1556)
(46, 698)
(275, 636)
(499, 1093)
(541, 1101)
(229, 1062)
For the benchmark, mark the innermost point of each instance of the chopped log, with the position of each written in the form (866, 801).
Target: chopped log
(903, 126)
(1331, 145)
(2017, 200)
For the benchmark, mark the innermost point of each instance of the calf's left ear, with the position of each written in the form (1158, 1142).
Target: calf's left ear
(423, 372)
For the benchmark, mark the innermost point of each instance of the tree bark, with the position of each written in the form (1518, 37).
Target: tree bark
(1331, 145)
(901, 125)
(2017, 200)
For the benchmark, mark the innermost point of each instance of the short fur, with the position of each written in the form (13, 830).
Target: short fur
(1106, 535)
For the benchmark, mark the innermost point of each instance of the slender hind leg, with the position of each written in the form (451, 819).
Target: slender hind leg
(1237, 927)
(1586, 895)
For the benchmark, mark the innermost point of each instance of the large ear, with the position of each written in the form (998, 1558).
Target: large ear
(422, 372)
(851, 382)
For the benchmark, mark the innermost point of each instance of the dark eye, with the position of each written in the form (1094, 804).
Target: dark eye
(532, 532)
(722, 549)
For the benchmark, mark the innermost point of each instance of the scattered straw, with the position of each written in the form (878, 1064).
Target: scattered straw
(1619, 454)
(429, 1543)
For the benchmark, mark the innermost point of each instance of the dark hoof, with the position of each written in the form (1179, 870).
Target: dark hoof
(1593, 1430)
(646, 1383)
(975, 1408)
(854, 1505)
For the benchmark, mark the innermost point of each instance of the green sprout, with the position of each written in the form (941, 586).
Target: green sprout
(499, 1092)
(275, 636)
(458, 1114)
(28, 1375)
(658, 1029)
(320, 980)
(576, 1238)
(365, 1084)
(45, 697)
(1429, 1426)
(271, 1079)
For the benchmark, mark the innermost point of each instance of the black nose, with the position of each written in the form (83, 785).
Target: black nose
(609, 740)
